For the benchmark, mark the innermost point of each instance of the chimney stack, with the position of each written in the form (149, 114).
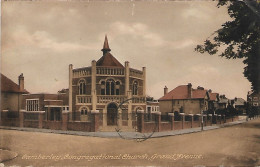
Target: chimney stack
(189, 90)
(21, 82)
(165, 90)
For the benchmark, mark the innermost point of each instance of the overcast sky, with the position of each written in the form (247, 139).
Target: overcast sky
(41, 39)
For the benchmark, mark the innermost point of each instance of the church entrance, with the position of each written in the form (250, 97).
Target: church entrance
(112, 114)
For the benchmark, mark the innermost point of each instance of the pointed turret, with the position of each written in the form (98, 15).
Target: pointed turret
(106, 46)
(107, 60)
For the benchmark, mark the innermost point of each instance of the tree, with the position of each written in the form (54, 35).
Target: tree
(239, 38)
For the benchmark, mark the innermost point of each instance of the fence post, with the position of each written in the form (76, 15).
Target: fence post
(65, 119)
(40, 119)
(192, 121)
(182, 120)
(171, 115)
(219, 118)
(205, 120)
(21, 117)
(211, 119)
(224, 119)
(140, 121)
(95, 120)
(158, 120)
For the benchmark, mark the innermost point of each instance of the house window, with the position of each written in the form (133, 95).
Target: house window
(135, 87)
(82, 87)
(32, 104)
(84, 111)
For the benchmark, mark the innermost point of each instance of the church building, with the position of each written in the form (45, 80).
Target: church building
(114, 90)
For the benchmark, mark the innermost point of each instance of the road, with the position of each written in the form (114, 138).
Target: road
(237, 145)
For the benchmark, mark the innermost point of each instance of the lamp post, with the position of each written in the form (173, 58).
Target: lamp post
(201, 120)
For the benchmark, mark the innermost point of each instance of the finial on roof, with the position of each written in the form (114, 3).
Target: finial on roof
(106, 46)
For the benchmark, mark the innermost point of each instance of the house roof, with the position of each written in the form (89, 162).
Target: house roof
(7, 85)
(181, 92)
(223, 100)
(239, 101)
(198, 94)
(213, 96)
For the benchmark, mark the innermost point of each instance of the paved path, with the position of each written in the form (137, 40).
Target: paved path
(126, 135)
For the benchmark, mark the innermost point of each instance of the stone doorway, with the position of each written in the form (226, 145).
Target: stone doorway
(112, 114)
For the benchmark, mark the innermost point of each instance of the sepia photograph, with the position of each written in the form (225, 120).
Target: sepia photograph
(130, 83)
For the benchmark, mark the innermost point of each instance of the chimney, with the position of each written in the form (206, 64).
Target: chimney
(189, 90)
(200, 88)
(165, 90)
(21, 82)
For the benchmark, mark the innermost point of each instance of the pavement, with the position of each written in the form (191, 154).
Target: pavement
(127, 135)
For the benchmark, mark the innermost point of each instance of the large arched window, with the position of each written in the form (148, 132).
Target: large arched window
(110, 87)
(135, 88)
(82, 87)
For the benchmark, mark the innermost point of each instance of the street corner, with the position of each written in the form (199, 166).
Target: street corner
(6, 155)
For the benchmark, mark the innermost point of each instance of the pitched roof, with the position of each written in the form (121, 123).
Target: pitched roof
(198, 94)
(181, 92)
(239, 101)
(7, 85)
(213, 96)
(108, 60)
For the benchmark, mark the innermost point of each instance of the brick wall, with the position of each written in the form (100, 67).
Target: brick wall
(31, 123)
(79, 126)
(55, 125)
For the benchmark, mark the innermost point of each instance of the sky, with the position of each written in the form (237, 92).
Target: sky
(41, 38)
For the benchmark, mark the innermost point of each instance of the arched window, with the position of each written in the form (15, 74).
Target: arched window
(117, 87)
(135, 88)
(84, 111)
(138, 108)
(103, 83)
(110, 87)
(82, 87)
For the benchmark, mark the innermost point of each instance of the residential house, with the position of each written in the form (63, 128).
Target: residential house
(239, 104)
(11, 93)
(184, 99)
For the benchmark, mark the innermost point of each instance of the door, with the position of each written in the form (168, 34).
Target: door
(111, 114)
